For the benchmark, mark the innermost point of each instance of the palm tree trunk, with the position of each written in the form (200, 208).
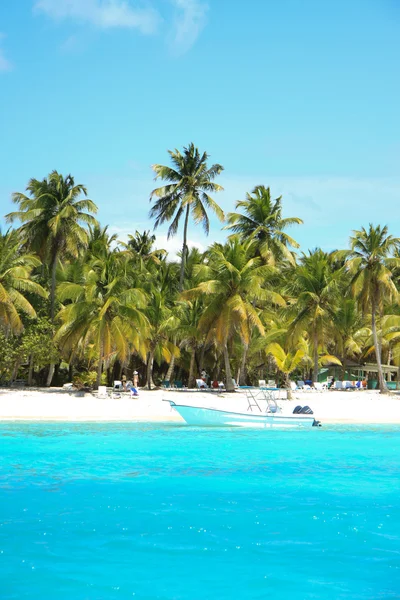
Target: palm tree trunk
(201, 362)
(191, 381)
(228, 374)
(242, 377)
(288, 387)
(52, 366)
(382, 384)
(183, 259)
(315, 369)
(50, 374)
(171, 365)
(30, 373)
(53, 287)
(150, 361)
(99, 367)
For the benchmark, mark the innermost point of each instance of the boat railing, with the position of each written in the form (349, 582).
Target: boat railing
(255, 396)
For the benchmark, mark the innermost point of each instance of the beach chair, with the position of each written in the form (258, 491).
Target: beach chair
(117, 386)
(261, 383)
(320, 387)
(201, 385)
(165, 385)
(338, 385)
(235, 385)
(178, 385)
(293, 386)
(134, 392)
(271, 383)
(102, 392)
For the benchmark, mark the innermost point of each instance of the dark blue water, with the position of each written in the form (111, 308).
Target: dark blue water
(115, 511)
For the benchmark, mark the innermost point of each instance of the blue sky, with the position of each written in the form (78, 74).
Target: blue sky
(301, 95)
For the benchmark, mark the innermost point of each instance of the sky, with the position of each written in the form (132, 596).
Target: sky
(299, 95)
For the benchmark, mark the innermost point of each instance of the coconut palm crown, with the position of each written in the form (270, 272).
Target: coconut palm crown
(262, 221)
(190, 182)
(52, 216)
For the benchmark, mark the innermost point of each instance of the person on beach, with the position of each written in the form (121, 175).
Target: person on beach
(204, 376)
(135, 379)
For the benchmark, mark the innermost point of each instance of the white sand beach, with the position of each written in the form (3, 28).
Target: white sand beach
(56, 404)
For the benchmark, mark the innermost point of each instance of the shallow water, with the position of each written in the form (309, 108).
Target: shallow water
(104, 511)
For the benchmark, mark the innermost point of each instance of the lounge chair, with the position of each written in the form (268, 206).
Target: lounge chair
(102, 392)
(293, 386)
(117, 386)
(201, 385)
(320, 387)
(338, 385)
(261, 383)
(165, 384)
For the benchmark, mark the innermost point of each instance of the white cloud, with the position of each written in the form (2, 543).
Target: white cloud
(103, 14)
(189, 23)
(5, 64)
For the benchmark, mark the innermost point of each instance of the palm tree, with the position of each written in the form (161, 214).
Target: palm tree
(15, 282)
(370, 263)
(105, 311)
(350, 332)
(162, 324)
(190, 181)
(52, 217)
(262, 221)
(286, 362)
(314, 288)
(231, 285)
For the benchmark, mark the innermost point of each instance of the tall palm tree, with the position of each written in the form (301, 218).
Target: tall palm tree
(162, 324)
(190, 181)
(104, 311)
(15, 282)
(262, 221)
(52, 216)
(314, 288)
(349, 330)
(371, 263)
(232, 283)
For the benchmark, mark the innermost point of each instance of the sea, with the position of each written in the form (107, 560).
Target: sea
(165, 511)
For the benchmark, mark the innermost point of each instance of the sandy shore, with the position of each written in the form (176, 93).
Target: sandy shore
(59, 405)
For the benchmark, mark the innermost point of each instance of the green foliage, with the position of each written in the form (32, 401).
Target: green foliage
(71, 293)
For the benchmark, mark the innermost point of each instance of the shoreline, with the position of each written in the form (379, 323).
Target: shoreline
(58, 405)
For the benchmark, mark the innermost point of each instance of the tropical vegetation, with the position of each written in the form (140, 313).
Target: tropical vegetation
(79, 304)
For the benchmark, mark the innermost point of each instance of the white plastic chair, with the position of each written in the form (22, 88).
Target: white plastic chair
(102, 392)
(261, 383)
(200, 384)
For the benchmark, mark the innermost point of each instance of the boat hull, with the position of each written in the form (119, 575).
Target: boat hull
(200, 416)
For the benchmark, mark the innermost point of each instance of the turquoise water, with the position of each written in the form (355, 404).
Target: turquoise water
(96, 511)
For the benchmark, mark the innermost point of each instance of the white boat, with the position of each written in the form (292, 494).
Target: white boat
(217, 417)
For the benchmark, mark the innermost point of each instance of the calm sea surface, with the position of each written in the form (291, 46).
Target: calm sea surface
(115, 511)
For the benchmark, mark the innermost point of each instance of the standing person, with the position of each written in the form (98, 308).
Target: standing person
(124, 382)
(204, 376)
(135, 379)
